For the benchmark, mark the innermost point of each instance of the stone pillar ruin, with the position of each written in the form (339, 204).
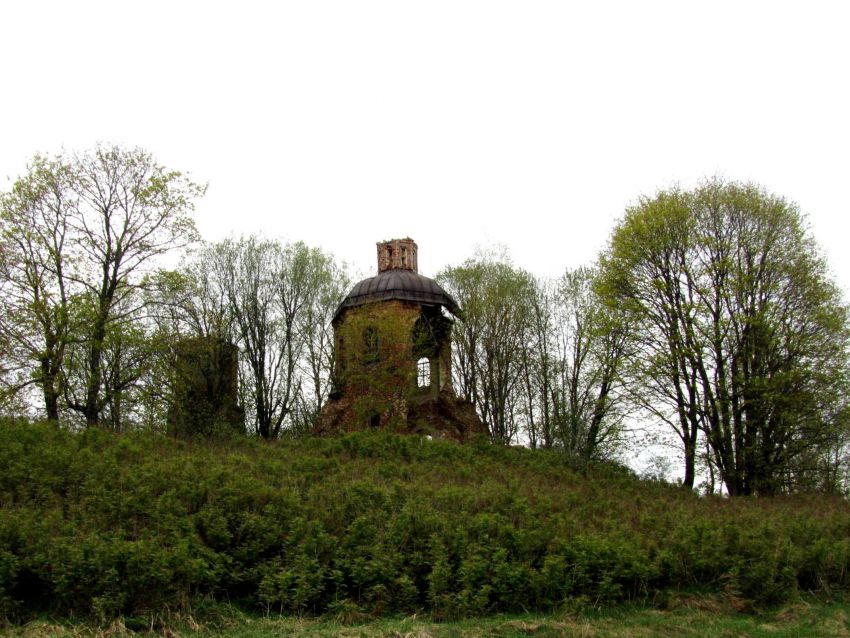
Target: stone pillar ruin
(205, 390)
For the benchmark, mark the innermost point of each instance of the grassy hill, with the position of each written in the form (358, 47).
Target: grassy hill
(101, 525)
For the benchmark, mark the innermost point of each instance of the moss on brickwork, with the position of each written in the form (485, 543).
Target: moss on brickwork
(377, 349)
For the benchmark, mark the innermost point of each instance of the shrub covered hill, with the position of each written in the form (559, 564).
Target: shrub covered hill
(101, 525)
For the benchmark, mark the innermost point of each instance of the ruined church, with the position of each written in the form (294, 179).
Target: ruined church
(392, 353)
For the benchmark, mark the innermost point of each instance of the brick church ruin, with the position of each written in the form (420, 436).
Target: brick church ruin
(392, 351)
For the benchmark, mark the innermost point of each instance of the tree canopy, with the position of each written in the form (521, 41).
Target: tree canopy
(78, 233)
(741, 336)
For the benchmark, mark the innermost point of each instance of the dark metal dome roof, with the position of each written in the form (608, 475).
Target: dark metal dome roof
(398, 283)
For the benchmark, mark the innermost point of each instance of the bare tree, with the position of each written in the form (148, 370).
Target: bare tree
(538, 366)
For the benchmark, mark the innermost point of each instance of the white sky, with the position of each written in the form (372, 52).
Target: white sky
(530, 124)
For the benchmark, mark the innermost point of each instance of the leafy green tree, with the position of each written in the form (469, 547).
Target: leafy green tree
(130, 351)
(275, 301)
(170, 316)
(131, 211)
(540, 359)
(495, 297)
(80, 231)
(641, 273)
(36, 248)
(246, 273)
(591, 345)
(741, 335)
(539, 365)
(329, 282)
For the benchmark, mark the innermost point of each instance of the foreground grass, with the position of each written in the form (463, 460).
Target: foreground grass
(101, 526)
(692, 617)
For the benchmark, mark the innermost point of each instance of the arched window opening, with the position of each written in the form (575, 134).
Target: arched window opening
(423, 373)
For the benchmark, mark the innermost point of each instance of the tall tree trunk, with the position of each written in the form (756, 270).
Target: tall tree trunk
(49, 390)
(93, 386)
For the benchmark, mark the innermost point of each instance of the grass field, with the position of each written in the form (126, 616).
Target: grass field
(96, 527)
(692, 617)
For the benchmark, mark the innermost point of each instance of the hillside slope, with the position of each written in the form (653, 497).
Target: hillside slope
(98, 524)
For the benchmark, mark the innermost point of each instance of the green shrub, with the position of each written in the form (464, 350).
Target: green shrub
(103, 525)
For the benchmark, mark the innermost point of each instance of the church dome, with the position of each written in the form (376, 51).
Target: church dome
(398, 283)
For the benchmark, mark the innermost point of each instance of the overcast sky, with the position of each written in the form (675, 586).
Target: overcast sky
(528, 124)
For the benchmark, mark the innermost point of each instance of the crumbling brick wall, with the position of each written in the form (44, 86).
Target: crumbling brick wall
(204, 389)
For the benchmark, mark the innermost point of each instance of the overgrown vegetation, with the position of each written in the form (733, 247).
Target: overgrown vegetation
(710, 322)
(101, 525)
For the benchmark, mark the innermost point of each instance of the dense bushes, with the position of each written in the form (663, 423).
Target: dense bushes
(100, 525)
